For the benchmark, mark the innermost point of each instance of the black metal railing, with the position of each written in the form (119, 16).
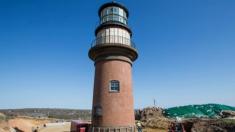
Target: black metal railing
(112, 39)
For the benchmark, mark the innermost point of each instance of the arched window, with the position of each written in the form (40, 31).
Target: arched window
(114, 86)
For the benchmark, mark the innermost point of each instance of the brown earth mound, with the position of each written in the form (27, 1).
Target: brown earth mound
(159, 123)
(210, 125)
(26, 124)
(152, 117)
(227, 113)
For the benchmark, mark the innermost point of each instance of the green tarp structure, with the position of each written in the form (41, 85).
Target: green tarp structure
(197, 111)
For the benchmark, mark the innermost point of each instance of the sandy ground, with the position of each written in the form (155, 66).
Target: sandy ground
(57, 127)
(26, 124)
(4, 126)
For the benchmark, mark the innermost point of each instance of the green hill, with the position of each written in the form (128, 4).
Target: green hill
(197, 111)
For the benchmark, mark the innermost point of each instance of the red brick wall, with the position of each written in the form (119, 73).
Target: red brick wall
(117, 108)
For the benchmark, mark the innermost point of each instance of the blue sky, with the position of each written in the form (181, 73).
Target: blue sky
(186, 52)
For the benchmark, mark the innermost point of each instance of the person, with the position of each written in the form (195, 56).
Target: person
(176, 127)
(139, 126)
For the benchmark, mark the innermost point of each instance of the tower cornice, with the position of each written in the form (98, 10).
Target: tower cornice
(104, 50)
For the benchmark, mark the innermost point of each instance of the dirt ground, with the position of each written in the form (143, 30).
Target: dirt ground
(58, 127)
(4, 126)
(29, 124)
(154, 130)
(26, 124)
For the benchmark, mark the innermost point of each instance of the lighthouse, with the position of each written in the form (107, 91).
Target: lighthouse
(113, 53)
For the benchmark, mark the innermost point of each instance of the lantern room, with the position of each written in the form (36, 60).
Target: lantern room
(113, 12)
(113, 28)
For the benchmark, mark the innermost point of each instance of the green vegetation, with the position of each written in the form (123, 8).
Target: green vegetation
(2, 117)
(69, 114)
(227, 122)
(197, 111)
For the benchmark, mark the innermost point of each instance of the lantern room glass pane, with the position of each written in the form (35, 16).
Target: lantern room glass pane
(121, 12)
(113, 14)
(115, 10)
(113, 36)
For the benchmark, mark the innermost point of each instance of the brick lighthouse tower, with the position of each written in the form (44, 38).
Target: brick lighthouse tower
(113, 54)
